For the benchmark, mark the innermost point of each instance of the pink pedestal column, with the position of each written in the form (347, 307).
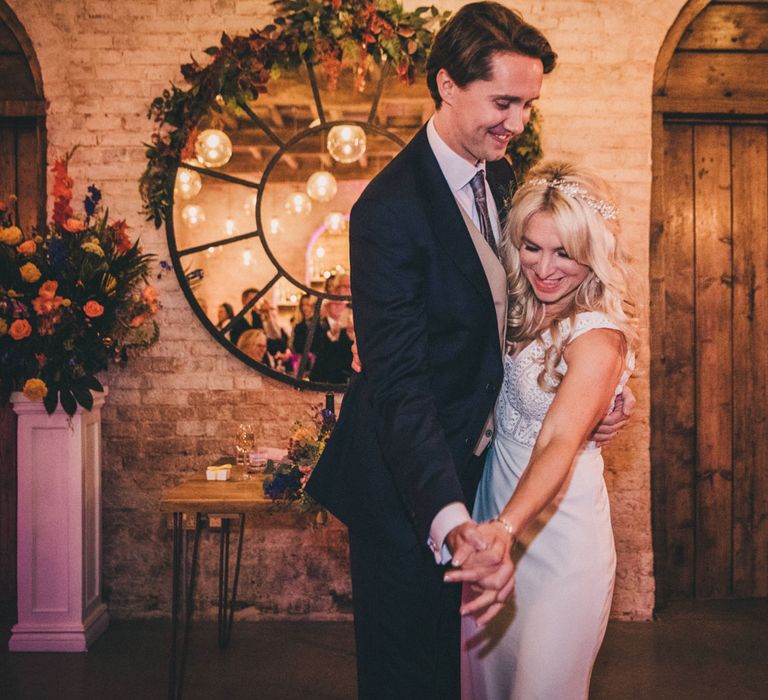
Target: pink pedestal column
(59, 528)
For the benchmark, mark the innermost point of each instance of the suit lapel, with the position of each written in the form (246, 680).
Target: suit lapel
(445, 217)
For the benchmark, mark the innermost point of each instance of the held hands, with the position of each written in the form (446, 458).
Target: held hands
(482, 555)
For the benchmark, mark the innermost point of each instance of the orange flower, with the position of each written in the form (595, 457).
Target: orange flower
(74, 225)
(149, 296)
(20, 329)
(93, 309)
(122, 242)
(48, 289)
(136, 321)
(28, 247)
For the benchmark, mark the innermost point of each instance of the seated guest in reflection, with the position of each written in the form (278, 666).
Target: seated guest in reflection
(277, 338)
(253, 343)
(335, 335)
(224, 314)
(249, 320)
(301, 320)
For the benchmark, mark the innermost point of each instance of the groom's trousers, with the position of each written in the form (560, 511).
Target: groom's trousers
(407, 624)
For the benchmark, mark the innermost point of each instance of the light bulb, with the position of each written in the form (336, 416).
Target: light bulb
(321, 186)
(320, 252)
(298, 204)
(247, 257)
(213, 148)
(346, 143)
(275, 226)
(192, 215)
(229, 226)
(335, 222)
(188, 183)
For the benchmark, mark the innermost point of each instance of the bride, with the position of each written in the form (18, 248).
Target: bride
(570, 350)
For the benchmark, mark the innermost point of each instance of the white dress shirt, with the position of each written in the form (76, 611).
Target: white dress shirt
(457, 172)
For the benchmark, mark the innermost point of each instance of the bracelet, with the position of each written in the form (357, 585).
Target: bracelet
(507, 527)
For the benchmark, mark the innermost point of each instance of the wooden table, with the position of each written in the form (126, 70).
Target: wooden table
(228, 500)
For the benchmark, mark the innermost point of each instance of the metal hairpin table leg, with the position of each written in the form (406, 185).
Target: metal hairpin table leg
(178, 533)
(177, 668)
(227, 605)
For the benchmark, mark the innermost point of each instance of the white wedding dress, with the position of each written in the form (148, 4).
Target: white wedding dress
(543, 645)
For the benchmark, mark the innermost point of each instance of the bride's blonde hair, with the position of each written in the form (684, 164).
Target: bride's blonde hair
(581, 208)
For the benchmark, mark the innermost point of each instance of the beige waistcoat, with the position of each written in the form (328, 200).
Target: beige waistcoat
(497, 281)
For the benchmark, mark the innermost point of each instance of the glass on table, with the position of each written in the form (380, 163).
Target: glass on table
(256, 460)
(244, 441)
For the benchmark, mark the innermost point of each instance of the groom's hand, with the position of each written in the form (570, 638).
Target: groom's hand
(490, 570)
(464, 540)
(611, 425)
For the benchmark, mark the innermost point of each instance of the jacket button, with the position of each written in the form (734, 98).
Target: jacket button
(490, 388)
(468, 441)
(488, 433)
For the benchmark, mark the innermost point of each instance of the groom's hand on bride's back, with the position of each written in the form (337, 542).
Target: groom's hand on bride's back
(619, 416)
(482, 555)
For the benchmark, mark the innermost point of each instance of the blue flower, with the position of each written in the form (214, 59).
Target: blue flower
(57, 249)
(283, 486)
(91, 200)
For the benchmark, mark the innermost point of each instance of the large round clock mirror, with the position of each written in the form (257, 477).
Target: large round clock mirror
(261, 207)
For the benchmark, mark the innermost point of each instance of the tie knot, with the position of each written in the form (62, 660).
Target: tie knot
(477, 183)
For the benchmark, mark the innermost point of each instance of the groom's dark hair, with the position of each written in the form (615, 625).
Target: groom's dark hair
(465, 44)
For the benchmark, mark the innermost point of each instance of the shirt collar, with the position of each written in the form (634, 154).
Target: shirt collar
(457, 171)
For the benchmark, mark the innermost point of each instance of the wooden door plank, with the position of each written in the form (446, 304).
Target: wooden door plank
(7, 161)
(714, 474)
(676, 378)
(728, 28)
(29, 194)
(706, 76)
(750, 361)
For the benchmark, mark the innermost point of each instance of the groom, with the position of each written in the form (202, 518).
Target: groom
(404, 461)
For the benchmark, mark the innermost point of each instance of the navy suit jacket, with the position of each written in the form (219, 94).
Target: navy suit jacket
(428, 340)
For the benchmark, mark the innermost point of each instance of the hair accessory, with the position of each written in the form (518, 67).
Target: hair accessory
(606, 209)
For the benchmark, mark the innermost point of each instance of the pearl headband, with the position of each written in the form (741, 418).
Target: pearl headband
(606, 209)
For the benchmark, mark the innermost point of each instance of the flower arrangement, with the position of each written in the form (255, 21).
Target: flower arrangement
(72, 297)
(285, 480)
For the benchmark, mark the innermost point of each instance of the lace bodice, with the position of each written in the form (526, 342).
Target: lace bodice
(522, 405)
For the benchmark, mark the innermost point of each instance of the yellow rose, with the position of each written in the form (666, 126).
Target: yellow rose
(3, 326)
(93, 248)
(29, 272)
(35, 389)
(10, 235)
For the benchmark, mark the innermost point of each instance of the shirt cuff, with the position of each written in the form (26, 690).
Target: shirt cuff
(451, 516)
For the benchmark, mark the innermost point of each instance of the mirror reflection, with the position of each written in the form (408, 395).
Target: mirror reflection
(261, 215)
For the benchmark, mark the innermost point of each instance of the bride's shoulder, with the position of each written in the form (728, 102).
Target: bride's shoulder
(588, 320)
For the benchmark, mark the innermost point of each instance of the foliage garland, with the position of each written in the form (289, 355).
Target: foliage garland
(325, 33)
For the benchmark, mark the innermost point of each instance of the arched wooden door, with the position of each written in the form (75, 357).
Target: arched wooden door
(22, 173)
(709, 304)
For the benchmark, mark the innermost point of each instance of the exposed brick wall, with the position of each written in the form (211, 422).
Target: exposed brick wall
(170, 411)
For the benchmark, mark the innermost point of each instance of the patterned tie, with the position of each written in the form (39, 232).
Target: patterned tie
(477, 183)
